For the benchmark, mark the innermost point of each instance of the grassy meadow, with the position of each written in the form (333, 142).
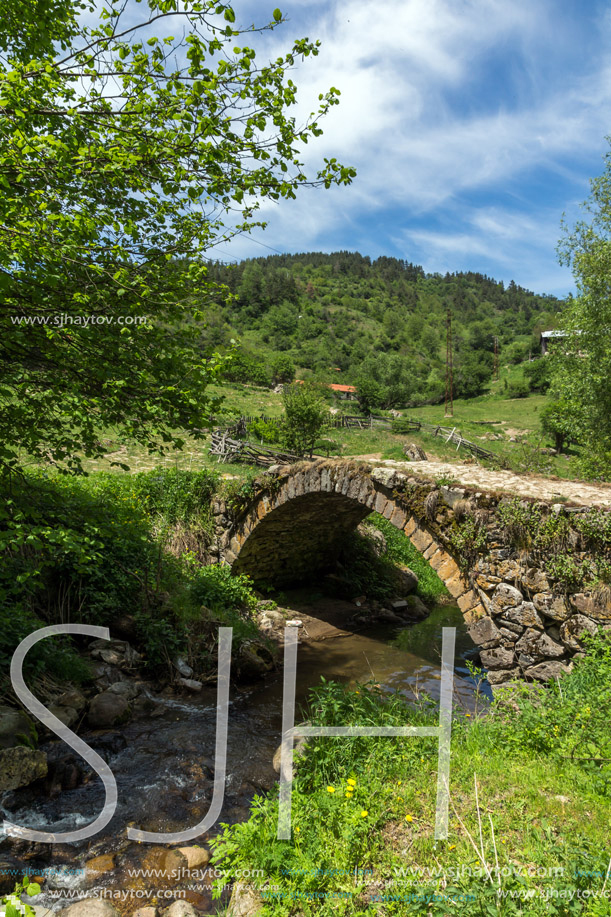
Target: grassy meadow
(508, 427)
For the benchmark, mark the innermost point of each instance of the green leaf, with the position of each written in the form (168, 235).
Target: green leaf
(277, 15)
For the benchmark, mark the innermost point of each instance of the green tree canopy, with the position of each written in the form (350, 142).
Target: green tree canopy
(385, 381)
(305, 415)
(122, 154)
(581, 362)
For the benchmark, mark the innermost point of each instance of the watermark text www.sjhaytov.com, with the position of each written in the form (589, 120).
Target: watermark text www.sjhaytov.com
(65, 320)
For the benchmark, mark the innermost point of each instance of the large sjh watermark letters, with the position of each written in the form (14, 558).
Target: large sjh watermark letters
(289, 731)
(443, 731)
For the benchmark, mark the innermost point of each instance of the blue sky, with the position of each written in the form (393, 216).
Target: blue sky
(473, 125)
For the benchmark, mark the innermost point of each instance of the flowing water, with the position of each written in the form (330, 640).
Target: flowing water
(164, 764)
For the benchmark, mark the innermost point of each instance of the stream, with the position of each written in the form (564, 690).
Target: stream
(164, 763)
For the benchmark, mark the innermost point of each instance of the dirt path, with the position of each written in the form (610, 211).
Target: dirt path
(548, 489)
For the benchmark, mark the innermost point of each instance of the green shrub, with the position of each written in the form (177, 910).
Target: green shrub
(519, 388)
(174, 495)
(267, 431)
(216, 587)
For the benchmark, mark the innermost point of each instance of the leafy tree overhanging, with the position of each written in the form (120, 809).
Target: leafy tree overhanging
(122, 152)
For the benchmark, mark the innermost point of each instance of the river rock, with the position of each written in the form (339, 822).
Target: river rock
(64, 772)
(106, 675)
(196, 857)
(20, 766)
(253, 660)
(271, 623)
(91, 907)
(99, 866)
(405, 580)
(181, 666)
(497, 658)
(245, 902)
(13, 724)
(126, 689)
(168, 865)
(573, 630)
(417, 609)
(72, 698)
(181, 909)
(190, 684)
(115, 652)
(388, 616)
(299, 747)
(107, 710)
(506, 596)
(67, 715)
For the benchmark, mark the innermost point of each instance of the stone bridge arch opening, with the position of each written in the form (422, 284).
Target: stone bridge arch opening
(296, 527)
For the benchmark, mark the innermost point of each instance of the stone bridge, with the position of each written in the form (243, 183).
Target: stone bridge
(293, 522)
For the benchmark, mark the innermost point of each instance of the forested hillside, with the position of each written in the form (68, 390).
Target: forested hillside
(342, 317)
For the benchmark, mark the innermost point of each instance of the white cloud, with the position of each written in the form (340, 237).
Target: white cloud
(428, 135)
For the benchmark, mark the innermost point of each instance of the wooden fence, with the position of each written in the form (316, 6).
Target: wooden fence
(450, 436)
(228, 445)
(229, 449)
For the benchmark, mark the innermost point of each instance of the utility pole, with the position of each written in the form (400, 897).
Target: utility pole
(496, 358)
(449, 404)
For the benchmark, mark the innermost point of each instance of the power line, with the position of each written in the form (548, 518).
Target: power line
(266, 246)
(449, 401)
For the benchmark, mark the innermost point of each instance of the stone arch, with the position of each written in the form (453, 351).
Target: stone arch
(525, 624)
(296, 524)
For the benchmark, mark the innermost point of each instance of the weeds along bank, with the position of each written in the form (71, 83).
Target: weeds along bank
(123, 551)
(530, 803)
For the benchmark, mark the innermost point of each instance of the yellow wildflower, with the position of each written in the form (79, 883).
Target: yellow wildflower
(351, 782)
(408, 818)
(364, 813)
(348, 795)
(330, 789)
(452, 847)
(297, 829)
